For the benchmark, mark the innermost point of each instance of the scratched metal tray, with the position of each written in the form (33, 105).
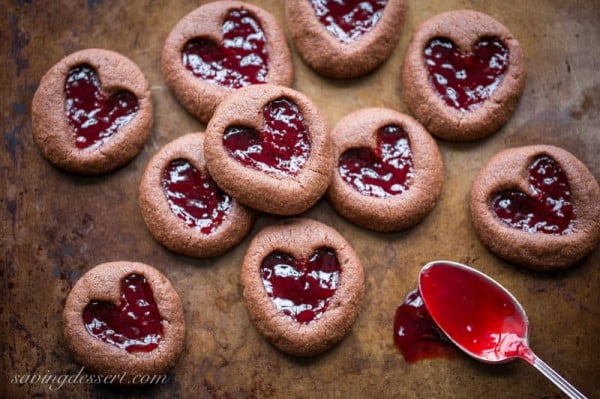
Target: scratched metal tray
(55, 226)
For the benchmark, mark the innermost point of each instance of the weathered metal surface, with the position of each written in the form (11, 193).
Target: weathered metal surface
(55, 226)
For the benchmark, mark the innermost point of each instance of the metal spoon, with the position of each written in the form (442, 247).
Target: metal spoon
(458, 313)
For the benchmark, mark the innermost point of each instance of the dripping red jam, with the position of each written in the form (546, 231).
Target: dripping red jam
(416, 335)
(134, 325)
(381, 172)
(547, 208)
(282, 146)
(301, 288)
(479, 316)
(465, 80)
(241, 60)
(194, 197)
(93, 116)
(349, 20)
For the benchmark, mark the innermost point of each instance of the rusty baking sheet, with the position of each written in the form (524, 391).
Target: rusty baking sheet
(55, 225)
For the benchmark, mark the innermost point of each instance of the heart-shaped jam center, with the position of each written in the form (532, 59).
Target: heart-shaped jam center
(93, 116)
(193, 197)
(281, 147)
(547, 208)
(134, 325)
(381, 172)
(348, 20)
(241, 60)
(465, 80)
(301, 288)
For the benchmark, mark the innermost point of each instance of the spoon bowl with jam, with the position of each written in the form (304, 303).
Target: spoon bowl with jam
(481, 317)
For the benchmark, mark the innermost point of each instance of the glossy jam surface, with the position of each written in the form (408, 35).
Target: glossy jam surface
(135, 325)
(349, 20)
(193, 197)
(478, 315)
(301, 288)
(547, 208)
(94, 117)
(382, 172)
(281, 147)
(416, 335)
(240, 61)
(465, 80)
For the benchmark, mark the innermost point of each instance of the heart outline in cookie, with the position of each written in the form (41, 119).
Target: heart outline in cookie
(508, 171)
(171, 230)
(384, 171)
(300, 238)
(546, 208)
(462, 79)
(103, 283)
(135, 324)
(239, 59)
(335, 17)
(408, 205)
(93, 115)
(301, 288)
(273, 148)
(464, 28)
(194, 197)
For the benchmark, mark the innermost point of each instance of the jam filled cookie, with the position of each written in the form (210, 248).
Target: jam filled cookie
(269, 147)
(345, 39)
(389, 171)
(537, 206)
(220, 47)
(302, 283)
(92, 112)
(183, 207)
(124, 317)
(463, 75)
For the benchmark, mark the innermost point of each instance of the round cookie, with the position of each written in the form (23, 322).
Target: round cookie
(269, 147)
(537, 206)
(103, 335)
(183, 208)
(479, 93)
(92, 112)
(389, 171)
(338, 49)
(297, 312)
(206, 54)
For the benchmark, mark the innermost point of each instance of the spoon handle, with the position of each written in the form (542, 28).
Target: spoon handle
(553, 376)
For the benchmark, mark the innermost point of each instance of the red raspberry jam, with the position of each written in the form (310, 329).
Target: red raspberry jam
(281, 147)
(135, 325)
(242, 58)
(547, 208)
(349, 20)
(477, 314)
(94, 117)
(465, 80)
(194, 197)
(382, 172)
(301, 288)
(416, 335)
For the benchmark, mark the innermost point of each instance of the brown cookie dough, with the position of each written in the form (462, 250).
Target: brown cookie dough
(202, 238)
(200, 97)
(53, 133)
(361, 133)
(464, 28)
(349, 58)
(509, 171)
(270, 191)
(300, 238)
(103, 283)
